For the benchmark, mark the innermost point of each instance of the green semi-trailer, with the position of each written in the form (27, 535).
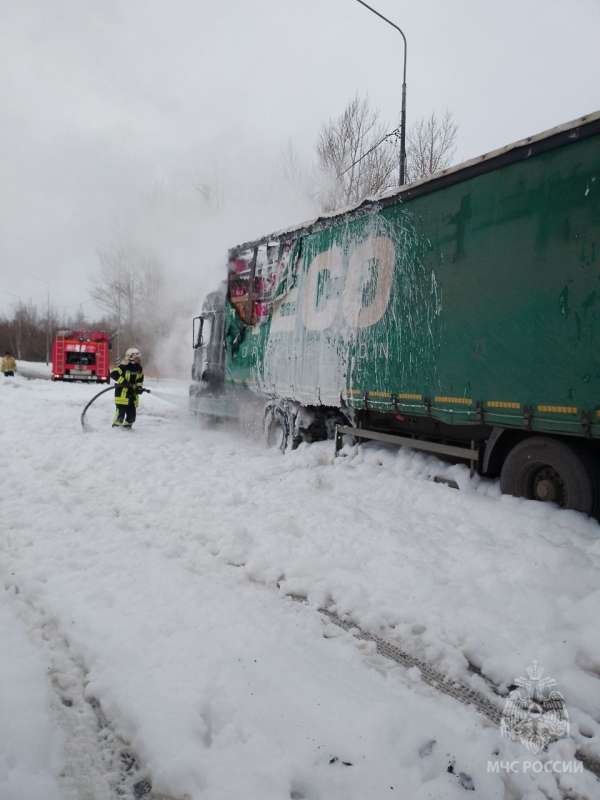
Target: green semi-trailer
(460, 313)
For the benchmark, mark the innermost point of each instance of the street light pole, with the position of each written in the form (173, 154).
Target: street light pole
(402, 170)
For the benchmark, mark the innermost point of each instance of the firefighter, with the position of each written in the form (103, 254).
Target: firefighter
(129, 380)
(9, 365)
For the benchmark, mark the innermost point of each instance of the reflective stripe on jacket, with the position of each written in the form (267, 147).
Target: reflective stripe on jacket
(127, 378)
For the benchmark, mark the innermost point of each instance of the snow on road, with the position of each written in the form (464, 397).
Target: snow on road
(30, 747)
(165, 555)
(33, 369)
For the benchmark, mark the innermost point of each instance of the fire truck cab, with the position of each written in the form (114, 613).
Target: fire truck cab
(81, 356)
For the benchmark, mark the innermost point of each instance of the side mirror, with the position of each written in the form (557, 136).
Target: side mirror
(197, 325)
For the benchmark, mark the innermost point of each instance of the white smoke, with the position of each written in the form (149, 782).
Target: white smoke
(189, 221)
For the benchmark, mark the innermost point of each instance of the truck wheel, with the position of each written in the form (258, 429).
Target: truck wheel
(549, 470)
(276, 429)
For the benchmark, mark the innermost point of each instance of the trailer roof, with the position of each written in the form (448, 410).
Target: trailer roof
(576, 129)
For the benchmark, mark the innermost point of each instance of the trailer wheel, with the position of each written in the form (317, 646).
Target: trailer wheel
(276, 429)
(551, 471)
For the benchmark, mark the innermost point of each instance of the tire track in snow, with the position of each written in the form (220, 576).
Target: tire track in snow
(430, 675)
(442, 683)
(99, 763)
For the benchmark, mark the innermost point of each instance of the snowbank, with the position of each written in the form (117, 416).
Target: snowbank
(165, 555)
(30, 744)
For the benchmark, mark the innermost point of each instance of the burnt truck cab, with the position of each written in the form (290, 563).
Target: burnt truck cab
(208, 341)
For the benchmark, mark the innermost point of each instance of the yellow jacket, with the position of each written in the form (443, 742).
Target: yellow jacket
(129, 380)
(8, 364)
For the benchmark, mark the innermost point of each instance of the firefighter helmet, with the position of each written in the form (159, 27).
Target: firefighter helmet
(133, 355)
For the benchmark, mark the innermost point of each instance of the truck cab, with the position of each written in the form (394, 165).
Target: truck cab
(208, 341)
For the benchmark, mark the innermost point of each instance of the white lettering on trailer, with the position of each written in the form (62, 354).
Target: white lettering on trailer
(369, 282)
(320, 301)
(372, 351)
(367, 287)
(365, 296)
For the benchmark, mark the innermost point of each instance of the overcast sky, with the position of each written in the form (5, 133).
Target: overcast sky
(114, 112)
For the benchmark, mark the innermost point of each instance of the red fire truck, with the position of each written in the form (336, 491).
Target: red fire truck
(81, 356)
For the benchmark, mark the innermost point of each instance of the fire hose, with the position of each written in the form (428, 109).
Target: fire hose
(96, 396)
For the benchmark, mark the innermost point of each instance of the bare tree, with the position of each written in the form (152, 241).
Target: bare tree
(28, 331)
(430, 146)
(24, 332)
(342, 142)
(25, 324)
(128, 288)
(298, 177)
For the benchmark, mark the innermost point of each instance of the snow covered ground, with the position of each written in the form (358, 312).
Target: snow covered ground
(33, 369)
(30, 747)
(163, 558)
